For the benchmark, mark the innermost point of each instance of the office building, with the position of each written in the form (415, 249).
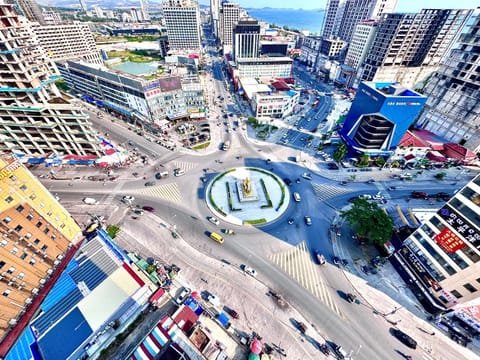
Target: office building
(35, 118)
(215, 16)
(36, 232)
(453, 106)
(264, 67)
(343, 15)
(360, 44)
(229, 17)
(182, 20)
(96, 297)
(310, 50)
(379, 117)
(138, 97)
(442, 258)
(407, 48)
(333, 49)
(29, 9)
(68, 41)
(83, 5)
(246, 39)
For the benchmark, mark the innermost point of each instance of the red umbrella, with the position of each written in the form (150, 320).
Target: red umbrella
(194, 295)
(256, 347)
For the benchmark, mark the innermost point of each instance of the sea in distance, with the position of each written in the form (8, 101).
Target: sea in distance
(298, 19)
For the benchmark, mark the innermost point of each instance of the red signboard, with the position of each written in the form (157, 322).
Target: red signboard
(449, 241)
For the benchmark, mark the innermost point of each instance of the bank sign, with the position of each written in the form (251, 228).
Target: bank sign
(449, 241)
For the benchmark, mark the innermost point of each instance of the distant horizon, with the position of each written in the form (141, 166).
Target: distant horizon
(402, 5)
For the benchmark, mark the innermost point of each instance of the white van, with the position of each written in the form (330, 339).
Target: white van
(297, 197)
(90, 201)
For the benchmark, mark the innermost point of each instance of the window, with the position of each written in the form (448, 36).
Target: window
(23, 256)
(7, 220)
(44, 247)
(37, 241)
(39, 224)
(6, 292)
(456, 294)
(29, 217)
(21, 276)
(469, 287)
(20, 208)
(9, 199)
(2, 264)
(18, 228)
(23, 187)
(46, 231)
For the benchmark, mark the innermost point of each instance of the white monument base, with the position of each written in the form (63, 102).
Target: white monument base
(241, 196)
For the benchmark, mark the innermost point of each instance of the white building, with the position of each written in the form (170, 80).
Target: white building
(68, 41)
(229, 17)
(361, 41)
(267, 102)
(98, 11)
(267, 67)
(182, 20)
(215, 16)
(310, 50)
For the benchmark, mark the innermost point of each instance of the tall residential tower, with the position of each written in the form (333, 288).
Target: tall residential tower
(34, 116)
(182, 19)
(229, 17)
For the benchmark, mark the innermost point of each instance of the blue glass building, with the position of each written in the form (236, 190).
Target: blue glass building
(379, 117)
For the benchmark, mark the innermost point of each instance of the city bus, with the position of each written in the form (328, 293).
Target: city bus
(217, 237)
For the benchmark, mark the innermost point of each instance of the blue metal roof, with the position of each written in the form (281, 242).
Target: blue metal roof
(56, 346)
(21, 349)
(62, 287)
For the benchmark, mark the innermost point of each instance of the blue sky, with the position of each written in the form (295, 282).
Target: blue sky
(402, 5)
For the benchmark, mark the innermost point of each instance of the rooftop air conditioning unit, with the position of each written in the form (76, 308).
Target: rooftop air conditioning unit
(35, 291)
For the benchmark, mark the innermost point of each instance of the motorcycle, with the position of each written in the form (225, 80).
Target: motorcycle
(324, 348)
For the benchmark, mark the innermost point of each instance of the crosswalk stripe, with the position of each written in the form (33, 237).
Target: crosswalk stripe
(298, 264)
(184, 165)
(324, 192)
(169, 192)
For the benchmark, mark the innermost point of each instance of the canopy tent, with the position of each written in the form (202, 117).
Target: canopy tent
(256, 347)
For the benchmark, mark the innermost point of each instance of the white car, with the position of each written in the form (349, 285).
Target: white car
(213, 299)
(127, 199)
(250, 271)
(213, 220)
(307, 176)
(183, 295)
(296, 197)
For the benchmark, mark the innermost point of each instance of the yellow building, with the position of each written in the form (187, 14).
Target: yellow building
(35, 232)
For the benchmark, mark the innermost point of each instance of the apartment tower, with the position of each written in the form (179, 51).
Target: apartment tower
(246, 39)
(36, 232)
(34, 116)
(343, 15)
(29, 9)
(408, 48)
(453, 106)
(229, 17)
(182, 19)
(215, 16)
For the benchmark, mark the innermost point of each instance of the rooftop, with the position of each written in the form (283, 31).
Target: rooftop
(392, 89)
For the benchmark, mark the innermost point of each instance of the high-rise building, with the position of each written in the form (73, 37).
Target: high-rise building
(144, 10)
(215, 16)
(407, 48)
(83, 5)
(182, 19)
(52, 17)
(36, 232)
(29, 9)
(68, 41)
(229, 17)
(98, 11)
(246, 39)
(34, 116)
(310, 50)
(442, 256)
(360, 44)
(379, 117)
(453, 105)
(343, 15)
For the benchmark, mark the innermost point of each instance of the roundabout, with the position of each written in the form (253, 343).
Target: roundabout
(247, 196)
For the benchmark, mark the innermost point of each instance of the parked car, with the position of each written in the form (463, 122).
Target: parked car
(443, 195)
(404, 338)
(250, 271)
(287, 181)
(308, 220)
(297, 197)
(127, 199)
(351, 298)
(148, 208)
(150, 183)
(231, 312)
(290, 221)
(319, 256)
(213, 299)
(336, 260)
(307, 176)
(183, 295)
(213, 220)
(90, 201)
(419, 195)
(341, 353)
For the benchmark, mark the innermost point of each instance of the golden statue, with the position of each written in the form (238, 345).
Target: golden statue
(247, 186)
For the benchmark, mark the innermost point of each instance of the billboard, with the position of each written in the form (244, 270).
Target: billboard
(170, 84)
(449, 241)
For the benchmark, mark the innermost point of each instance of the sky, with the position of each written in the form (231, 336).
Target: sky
(402, 5)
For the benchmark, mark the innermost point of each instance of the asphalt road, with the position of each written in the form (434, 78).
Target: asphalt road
(357, 328)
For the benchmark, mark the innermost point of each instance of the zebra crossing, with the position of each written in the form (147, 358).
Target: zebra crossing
(298, 264)
(169, 192)
(184, 165)
(325, 192)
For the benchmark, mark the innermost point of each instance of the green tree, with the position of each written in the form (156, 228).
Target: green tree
(369, 221)
(340, 152)
(380, 161)
(440, 175)
(364, 160)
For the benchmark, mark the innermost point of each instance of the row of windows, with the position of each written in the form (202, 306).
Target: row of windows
(467, 286)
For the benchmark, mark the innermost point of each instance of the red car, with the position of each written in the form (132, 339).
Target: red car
(149, 208)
